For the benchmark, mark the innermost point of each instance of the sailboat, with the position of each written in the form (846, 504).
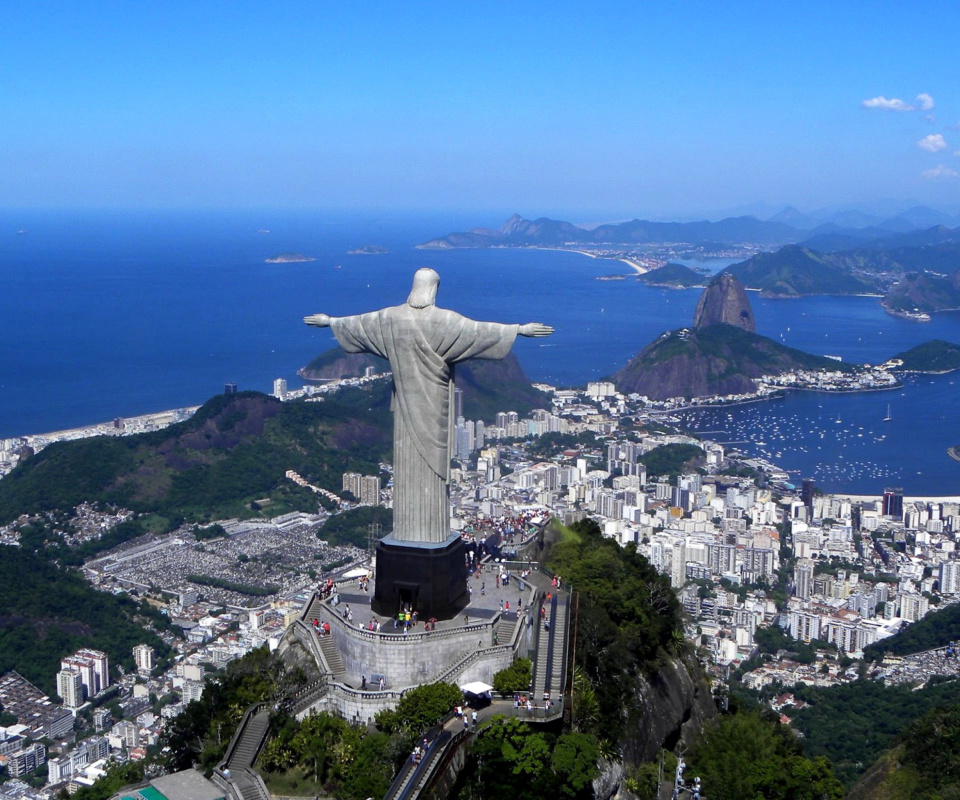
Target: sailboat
(888, 417)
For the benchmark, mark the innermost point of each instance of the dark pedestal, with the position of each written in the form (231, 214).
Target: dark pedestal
(432, 578)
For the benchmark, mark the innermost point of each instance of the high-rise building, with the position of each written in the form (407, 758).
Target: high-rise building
(803, 578)
(457, 403)
(370, 490)
(913, 607)
(678, 569)
(144, 657)
(950, 577)
(806, 494)
(893, 503)
(351, 483)
(70, 687)
(229, 388)
(94, 669)
(280, 389)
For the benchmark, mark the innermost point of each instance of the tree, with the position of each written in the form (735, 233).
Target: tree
(515, 678)
(746, 756)
(420, 708)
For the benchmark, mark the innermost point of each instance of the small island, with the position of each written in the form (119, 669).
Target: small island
(368, 250)
(289, 258)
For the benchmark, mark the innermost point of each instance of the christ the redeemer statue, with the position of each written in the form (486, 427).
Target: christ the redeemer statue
(422, 344)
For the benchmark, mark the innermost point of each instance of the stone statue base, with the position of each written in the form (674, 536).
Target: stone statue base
(431, 578)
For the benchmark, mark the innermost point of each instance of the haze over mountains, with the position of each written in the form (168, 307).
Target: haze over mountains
(915, 268)
(847, 229)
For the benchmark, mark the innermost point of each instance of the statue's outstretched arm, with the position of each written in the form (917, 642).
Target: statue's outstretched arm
(318, 320)
(535, 329)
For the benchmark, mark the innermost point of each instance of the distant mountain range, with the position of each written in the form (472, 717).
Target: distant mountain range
(836, 230)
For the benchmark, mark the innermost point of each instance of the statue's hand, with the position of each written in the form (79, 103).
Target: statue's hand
(535, 329)
(318, 320)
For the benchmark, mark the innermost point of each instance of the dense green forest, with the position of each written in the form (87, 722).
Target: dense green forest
(749, 755)
(513, 759)
(852, 724)
(936, 629)
(670, 459)
(933, 356)
(924, 765)
(46, 612)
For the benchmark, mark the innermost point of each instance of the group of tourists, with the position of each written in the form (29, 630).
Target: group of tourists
(406, 618)
(461, 713)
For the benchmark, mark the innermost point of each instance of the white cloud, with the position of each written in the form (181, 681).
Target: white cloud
(881, 102)
(932, 143)
(939, 172)
(924, 101)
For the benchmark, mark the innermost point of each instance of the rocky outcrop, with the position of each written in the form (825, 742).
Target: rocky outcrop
(724, 300)
(721, 355)
(668, 707)
(713, 361)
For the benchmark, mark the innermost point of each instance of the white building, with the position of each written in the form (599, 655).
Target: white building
(70, 687)
(144, 657)
(94, 669)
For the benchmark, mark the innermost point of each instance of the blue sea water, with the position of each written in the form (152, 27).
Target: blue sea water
(117, 314)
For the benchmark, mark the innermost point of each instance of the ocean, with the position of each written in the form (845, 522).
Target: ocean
(118, 314)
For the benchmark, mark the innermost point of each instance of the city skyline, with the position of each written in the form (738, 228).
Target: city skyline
(616, 111)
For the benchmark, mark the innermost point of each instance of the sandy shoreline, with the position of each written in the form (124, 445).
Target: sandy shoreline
(635, 266)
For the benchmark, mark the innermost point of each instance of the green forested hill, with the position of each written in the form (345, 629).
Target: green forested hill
(719, 359)
(925, 764)
(235, 450)
(795, 270)
(47, 612)
(933, 356)
(852, 724)
(936, 629)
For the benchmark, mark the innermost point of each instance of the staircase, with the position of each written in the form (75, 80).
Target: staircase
(559, 635)
(251, 740)
(332, 657)
(505, 629)
(550, 667)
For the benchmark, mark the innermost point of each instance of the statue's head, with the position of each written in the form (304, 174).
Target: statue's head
(424, 291)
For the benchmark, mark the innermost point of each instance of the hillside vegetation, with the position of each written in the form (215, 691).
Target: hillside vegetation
(716, 360)
(234, 451)
(38, 625)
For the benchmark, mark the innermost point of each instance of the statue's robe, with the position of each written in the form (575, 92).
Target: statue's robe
(422, 346)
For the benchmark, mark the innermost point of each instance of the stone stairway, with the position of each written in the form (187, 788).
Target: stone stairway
(251, 740)
(505, 629)
(559, 629)
(248, 786)
(334, 662)
(544, 637)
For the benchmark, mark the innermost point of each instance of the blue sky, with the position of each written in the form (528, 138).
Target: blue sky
(588, 111)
